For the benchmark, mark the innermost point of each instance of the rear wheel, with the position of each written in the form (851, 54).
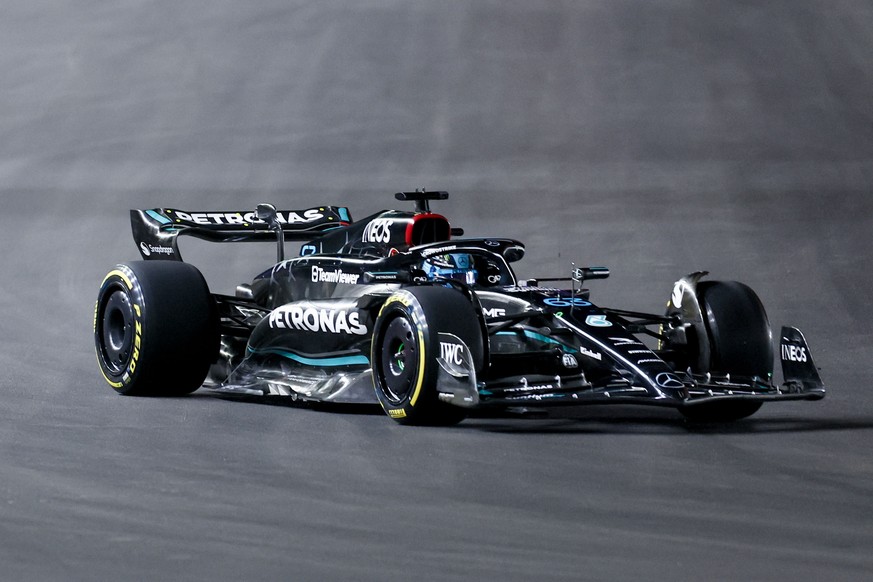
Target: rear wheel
(155, 328)
(406, 347)
(740, 343)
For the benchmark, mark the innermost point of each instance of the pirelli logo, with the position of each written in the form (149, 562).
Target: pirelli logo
(396, 413)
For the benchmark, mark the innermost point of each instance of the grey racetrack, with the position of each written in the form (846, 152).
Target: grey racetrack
(656, 138)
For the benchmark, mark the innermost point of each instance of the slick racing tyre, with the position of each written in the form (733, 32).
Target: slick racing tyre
(406, 347)
(155, 328)
(740, 343)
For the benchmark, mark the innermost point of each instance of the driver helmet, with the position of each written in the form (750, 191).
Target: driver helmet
(455, 266)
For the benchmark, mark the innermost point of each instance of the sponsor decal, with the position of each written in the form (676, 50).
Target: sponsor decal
(648, 361)
(668, 380)
(493, 279)
(625, 341)
(492, 243)
(137, 343)
(568, 302)
(378, 230)
(569, 360)
(590, 353)
(318, 320)
(438, 250)
(137, 330)
(597, 321)
(148, 250)
(320, 275)
(524, 288)
(402, 298)
(396, 413)
(307, 250)
(525, 387)
(452, 353)
(386, 276)
(731, 384)
(794, 353)
(493, 312)
(234, 218)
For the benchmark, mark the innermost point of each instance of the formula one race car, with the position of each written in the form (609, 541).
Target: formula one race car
(395, 309)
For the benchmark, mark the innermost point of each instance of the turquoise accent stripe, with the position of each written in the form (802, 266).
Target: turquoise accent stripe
(542, 338)
(159, 217)
(325, 362)
(344, 214)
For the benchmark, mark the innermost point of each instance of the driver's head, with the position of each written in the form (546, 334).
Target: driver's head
(457, 266)
(463, 261)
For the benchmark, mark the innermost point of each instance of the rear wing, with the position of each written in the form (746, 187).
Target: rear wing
(156, 231)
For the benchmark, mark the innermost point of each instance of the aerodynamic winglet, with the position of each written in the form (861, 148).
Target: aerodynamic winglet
(798, 367)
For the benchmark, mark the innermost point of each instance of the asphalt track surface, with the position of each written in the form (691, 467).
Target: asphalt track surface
(657, 138)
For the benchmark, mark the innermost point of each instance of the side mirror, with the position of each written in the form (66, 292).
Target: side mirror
(513, 253)
(269, 214)
(587, 273)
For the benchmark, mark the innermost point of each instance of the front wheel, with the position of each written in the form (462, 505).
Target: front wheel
(406, 346)
(155, 328)
(740, 343)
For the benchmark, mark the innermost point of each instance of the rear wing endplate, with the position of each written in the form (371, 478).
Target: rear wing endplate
(156, 231)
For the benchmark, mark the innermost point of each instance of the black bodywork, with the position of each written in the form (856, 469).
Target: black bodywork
(304, 328)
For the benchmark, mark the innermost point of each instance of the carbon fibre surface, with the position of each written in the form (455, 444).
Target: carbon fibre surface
(655, 138)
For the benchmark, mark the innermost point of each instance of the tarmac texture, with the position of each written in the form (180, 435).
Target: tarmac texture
(657, 138)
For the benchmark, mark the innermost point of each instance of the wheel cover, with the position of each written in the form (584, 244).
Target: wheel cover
(116, 331)
(398, 359)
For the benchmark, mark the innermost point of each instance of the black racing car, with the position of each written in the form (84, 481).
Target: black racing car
(396, 308)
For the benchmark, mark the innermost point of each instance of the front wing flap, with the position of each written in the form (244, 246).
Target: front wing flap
(801, 382)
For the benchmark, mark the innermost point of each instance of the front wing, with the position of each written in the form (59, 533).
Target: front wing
(457, 385)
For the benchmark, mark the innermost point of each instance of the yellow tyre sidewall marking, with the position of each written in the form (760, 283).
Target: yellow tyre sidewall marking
(406, 299)
(120, 274)
(421, 360)
(137, 325)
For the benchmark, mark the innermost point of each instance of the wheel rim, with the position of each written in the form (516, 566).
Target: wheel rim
(116, 331)
(399, 359)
